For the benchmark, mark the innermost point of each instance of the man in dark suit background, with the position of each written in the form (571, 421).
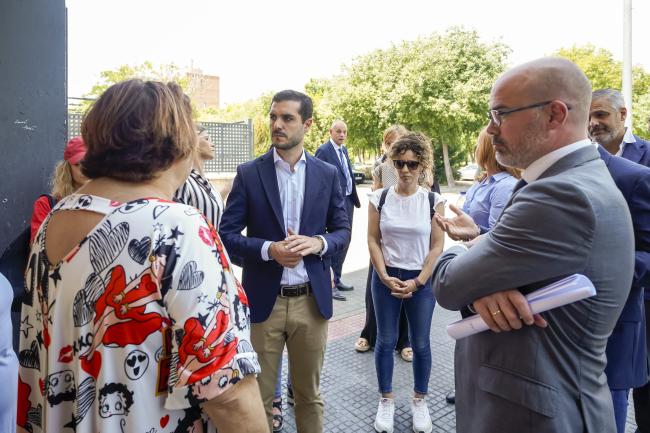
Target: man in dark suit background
(607, 127)
(291, 206)
(565, 216)
(334, 152)
(626, 347)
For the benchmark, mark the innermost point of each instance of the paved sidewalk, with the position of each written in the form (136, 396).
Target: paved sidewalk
(349, 384)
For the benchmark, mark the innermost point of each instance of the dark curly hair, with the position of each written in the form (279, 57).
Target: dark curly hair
(137, 129)
(417, 143)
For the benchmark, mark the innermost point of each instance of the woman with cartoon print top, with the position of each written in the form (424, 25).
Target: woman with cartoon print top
(133, 319)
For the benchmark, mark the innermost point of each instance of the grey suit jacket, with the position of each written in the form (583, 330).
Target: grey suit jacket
(573, 219)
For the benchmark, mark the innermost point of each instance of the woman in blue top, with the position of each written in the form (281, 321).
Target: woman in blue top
(487, 197)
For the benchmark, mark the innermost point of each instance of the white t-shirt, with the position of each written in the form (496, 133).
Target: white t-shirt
(405, 226)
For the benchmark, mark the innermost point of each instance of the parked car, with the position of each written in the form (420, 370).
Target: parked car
(361, 172)
(469, 172)
(366, 169)
(359, 177)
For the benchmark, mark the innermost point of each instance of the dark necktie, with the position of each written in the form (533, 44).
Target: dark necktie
(344, 165)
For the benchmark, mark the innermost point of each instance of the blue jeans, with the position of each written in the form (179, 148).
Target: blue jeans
(619, 398)
(419, 310)
(278, 383)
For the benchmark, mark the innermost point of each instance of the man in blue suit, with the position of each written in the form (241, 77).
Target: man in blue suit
(291, 206)
(607, 127)
(626, 348)
(334, 152)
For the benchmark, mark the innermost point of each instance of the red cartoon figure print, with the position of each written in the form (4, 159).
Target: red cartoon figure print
(120, 312)
(205, 347)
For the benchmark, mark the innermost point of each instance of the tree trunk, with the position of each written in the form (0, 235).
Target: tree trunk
(448, 173)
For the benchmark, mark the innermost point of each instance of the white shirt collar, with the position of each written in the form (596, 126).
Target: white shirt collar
(627, 138)
(336, 146)
(277, 159)
(535, 170)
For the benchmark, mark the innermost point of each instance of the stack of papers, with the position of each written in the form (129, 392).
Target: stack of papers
(563, 292)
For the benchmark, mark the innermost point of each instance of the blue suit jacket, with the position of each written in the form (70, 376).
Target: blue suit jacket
(627, 365)
(327, 153)
(638, 152)
(254, 204)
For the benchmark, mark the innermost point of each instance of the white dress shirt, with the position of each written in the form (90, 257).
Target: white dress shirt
(344, 165)
(627, 138)
(291, 185)
(535, 170)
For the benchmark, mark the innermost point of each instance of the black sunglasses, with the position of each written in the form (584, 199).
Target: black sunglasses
(400, 163)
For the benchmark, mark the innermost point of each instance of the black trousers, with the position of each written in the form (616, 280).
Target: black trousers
(369, 331)
(641, 395)
(338, 259)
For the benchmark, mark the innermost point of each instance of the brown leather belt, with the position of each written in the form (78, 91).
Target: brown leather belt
(293, 290)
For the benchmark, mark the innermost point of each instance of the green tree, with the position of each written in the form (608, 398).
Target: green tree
(145, 71)
(255, 109)
(641, 116)
(438, 85)
(604, 71)
(320, 90)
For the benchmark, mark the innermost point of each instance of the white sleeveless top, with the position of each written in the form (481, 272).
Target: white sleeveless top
(405, 226)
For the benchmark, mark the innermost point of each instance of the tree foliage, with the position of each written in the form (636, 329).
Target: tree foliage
(438, 85)
(255, 109)
(145, 71)
(605, 72)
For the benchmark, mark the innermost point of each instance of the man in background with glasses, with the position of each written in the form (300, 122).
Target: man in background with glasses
(541, 373)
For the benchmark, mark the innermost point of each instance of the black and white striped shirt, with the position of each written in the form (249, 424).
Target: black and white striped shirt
(197, 191)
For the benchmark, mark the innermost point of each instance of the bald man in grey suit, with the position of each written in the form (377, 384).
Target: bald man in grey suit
(542, 373)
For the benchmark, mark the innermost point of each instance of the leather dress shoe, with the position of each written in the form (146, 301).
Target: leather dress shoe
(451, 397)
(344, 287)
(338, 295)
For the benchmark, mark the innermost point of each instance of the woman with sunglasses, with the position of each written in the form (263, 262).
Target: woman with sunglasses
(404, 243)
(384, 175)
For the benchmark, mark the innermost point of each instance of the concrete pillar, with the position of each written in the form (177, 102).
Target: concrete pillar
(33, 105)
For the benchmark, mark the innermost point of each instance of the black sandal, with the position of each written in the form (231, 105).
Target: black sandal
(278, 420)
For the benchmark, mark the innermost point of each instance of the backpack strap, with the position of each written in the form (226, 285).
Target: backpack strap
(382, 199)
(432, 204)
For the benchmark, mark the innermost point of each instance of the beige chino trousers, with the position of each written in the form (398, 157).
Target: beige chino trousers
(297, 323)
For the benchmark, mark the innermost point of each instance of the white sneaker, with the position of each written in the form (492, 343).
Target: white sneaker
(385, 413)
(421, 417)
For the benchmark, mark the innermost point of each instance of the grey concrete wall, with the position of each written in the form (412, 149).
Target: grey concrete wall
(33, 64)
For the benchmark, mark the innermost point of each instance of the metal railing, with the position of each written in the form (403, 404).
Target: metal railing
(233, 142)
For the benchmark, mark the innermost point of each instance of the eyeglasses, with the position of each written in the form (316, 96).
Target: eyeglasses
(496, 115)
(400, 163)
